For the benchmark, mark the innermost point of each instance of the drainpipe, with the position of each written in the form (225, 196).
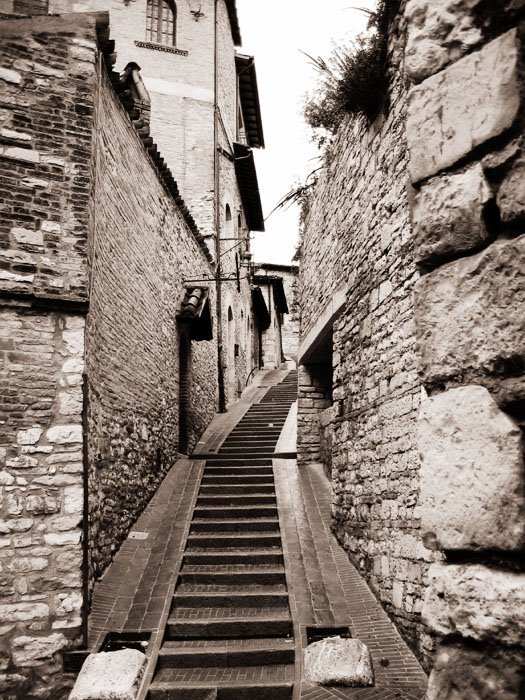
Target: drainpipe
(216, 171)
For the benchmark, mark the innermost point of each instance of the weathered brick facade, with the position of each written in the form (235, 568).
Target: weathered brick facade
(186, 83)
(411, 384)
(96, 255)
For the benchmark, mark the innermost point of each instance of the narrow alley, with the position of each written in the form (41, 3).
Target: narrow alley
(228, 580)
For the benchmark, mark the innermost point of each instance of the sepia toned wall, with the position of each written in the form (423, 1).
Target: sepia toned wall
(417, 408)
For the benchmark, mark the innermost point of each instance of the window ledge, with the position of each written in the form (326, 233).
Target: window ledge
(161, 47)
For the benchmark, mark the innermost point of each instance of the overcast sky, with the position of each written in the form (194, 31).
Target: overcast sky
(275, 32)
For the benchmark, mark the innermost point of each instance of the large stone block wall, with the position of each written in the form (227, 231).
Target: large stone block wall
(465, 134)
(363, 427)
(142, 255)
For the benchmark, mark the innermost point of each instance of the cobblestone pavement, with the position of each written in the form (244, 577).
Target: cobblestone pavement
(325, 589)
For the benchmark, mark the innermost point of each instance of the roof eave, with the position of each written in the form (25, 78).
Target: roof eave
(250, 102)
(234, 22)
(248, 186)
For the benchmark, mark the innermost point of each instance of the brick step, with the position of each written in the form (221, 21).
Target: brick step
(192, 588)
(235, 488)
(266, 422)
(235, 512)
(241, 622)
(255, 539)
(241, 525)
(247, 471)
(250, 433)
(229, 557)
(245, 450)
(246, 499)
(162, 689)
(231, 598)
(238, 476)
(269, 445)
(220, 460)
(217, 575)
(263, 652)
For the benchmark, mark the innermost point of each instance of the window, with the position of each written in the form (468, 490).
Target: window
(30, 7)
(161, 21)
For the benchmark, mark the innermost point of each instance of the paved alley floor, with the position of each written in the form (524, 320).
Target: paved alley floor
(325, 589)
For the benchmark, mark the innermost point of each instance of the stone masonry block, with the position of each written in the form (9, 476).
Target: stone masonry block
(469, 313)
(475, 674)
(448, 215)
(113, 675)
(438, 34)
(511, 195)
(472, 473)
(476, 602)
(463, 106)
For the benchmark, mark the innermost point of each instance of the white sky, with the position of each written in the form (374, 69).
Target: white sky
(275, 32)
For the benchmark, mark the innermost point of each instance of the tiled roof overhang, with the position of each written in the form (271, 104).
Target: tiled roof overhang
(260, 309)
(195, 310)
(249, 94)
(248, 186)
(234, 22)
(279, 294)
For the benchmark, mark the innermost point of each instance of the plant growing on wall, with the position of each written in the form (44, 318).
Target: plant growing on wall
(354, 80)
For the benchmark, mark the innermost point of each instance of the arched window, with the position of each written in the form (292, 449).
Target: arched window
(161, 22)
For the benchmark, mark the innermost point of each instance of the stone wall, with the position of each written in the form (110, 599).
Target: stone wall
(465, 135)
(141, 255)
(46, 118)
(363, 426)
(421, 306)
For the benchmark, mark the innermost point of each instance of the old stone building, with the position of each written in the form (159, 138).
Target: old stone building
(113, 354)
(411, 353)
(289, 329)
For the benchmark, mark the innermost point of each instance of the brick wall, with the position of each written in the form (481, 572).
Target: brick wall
(465, 134)
(361, 419)
(88, 221)
(142, 254)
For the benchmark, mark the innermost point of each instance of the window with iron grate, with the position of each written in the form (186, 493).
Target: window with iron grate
(31, 7)
(161, 22)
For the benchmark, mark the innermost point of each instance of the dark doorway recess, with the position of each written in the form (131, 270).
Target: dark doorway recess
(184, 390)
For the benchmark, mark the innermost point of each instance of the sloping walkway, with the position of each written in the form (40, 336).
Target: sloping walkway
(324, 588)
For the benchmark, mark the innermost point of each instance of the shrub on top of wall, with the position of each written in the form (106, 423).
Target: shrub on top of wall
(354, 80)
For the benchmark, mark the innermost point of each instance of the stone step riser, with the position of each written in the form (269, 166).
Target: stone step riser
(219, 541)
(246, 500)
(217, 658)
(232, 489)
(228, 559)
(235, 526)
(227, 513)
(237, 480)
(270, 691)
(228, 629)
(233, 578)
(221, 461)
(231, 600)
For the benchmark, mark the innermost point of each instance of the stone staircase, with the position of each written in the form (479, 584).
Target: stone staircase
(230, 633)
